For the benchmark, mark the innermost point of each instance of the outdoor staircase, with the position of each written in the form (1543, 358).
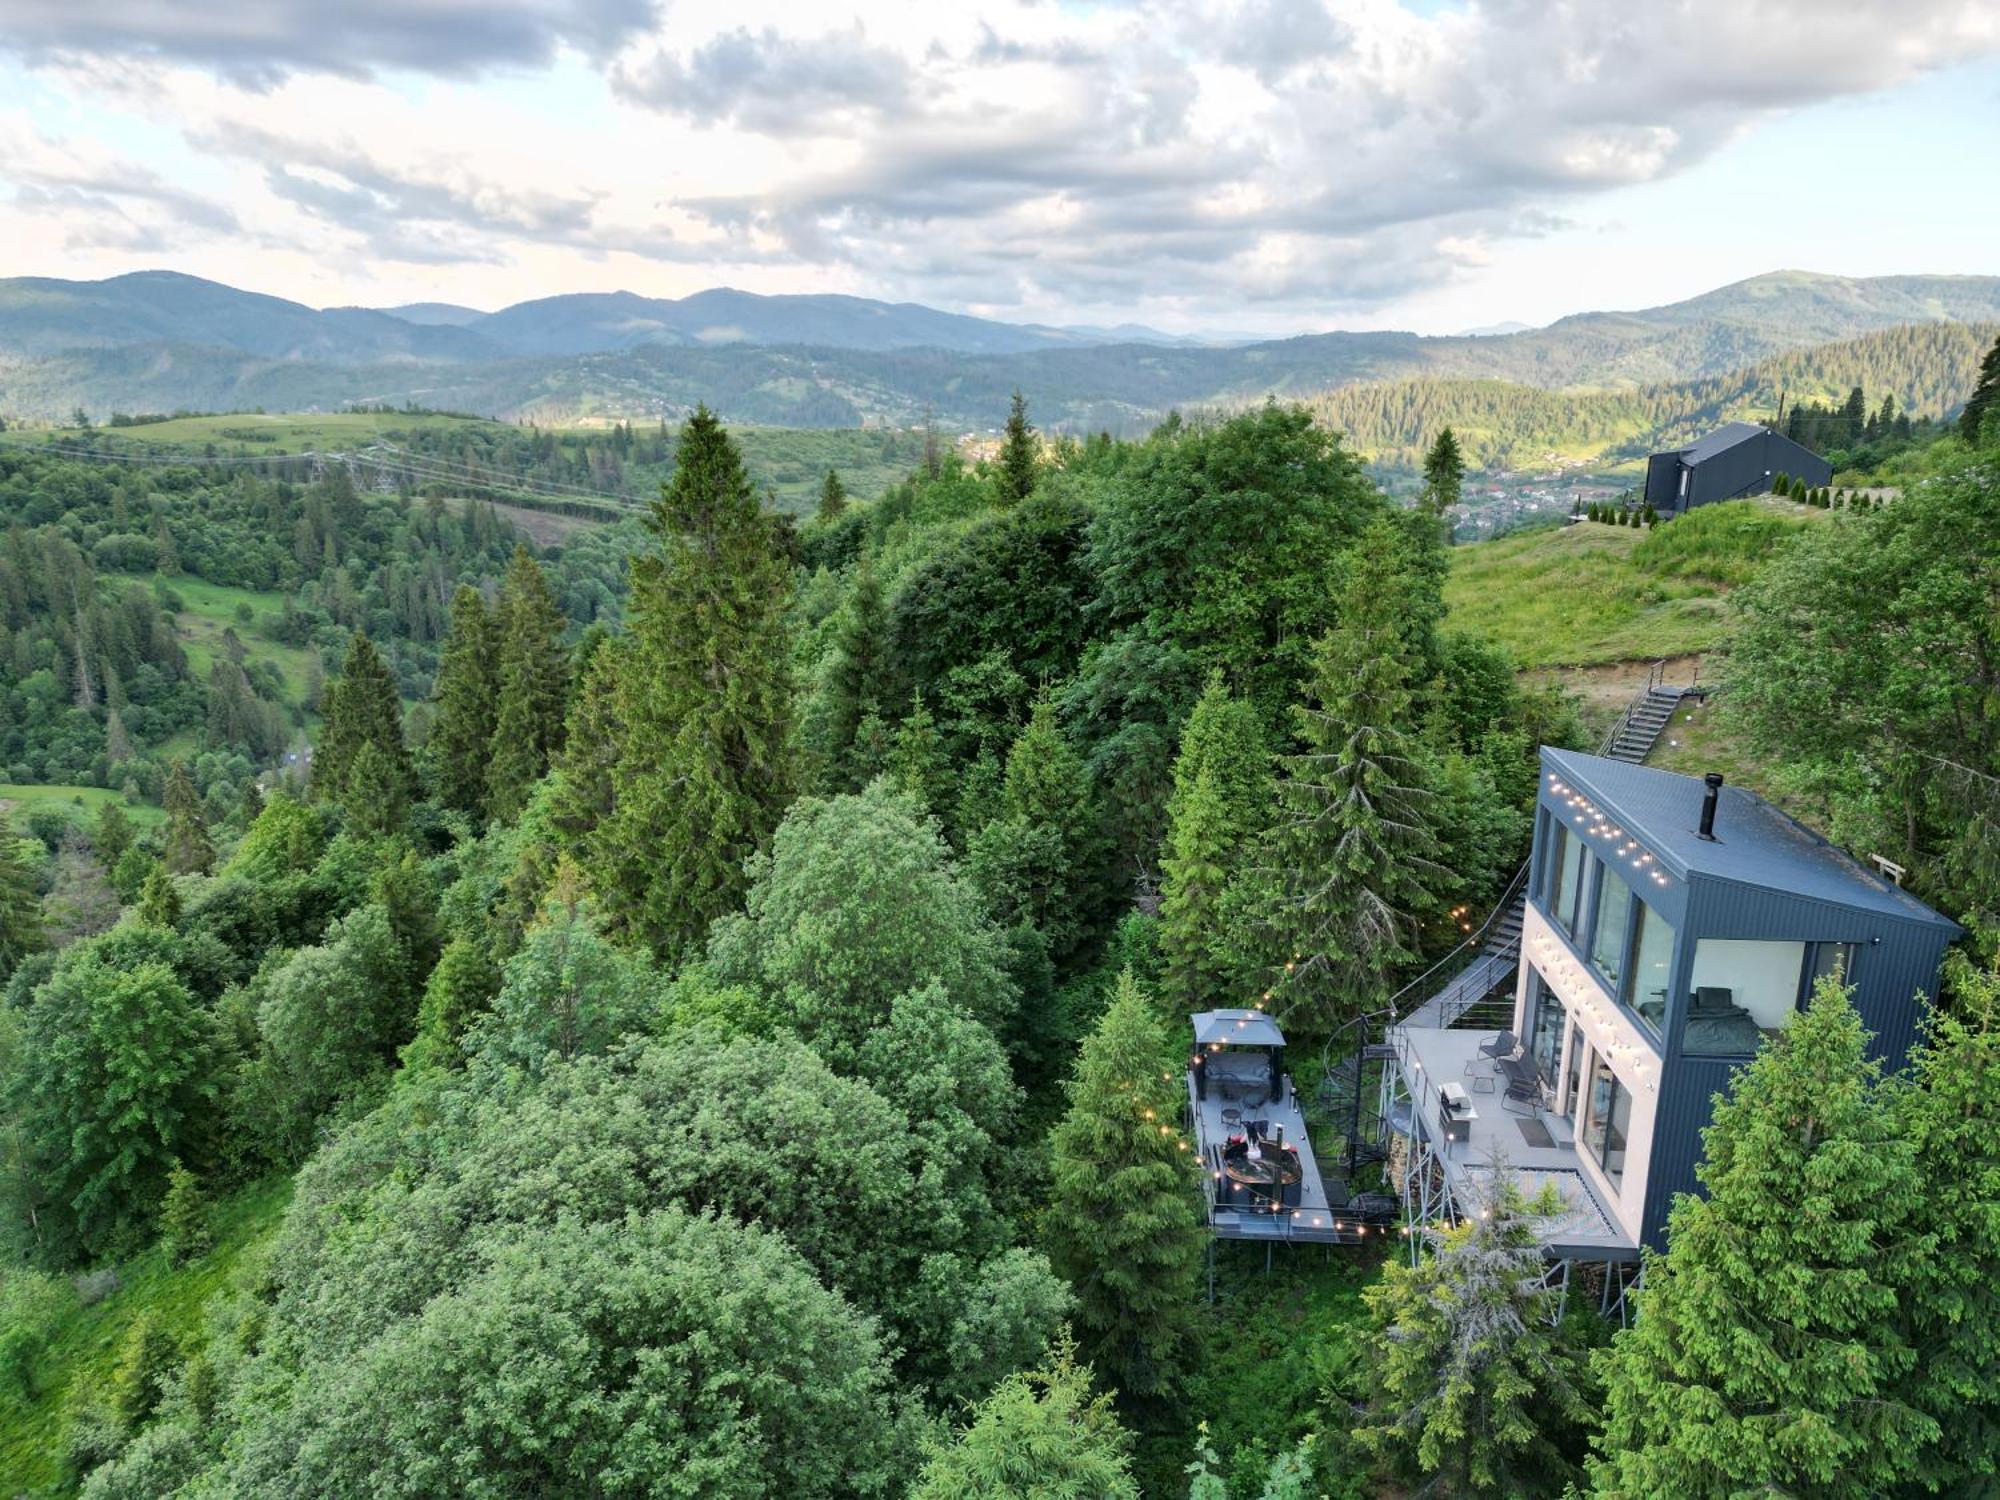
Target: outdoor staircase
(1638, 729)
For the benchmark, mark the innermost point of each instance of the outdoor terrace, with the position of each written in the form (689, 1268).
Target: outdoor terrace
(1536, 1150)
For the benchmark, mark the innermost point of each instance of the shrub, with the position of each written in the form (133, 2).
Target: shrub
(32, 1305)
(184, 1217)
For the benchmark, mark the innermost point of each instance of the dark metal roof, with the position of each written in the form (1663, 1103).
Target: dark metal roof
(1755, 844)
(1728, 435)
(1237, 1028)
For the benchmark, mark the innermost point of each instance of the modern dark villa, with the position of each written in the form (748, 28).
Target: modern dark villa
(1671, 926)
(1737, 459)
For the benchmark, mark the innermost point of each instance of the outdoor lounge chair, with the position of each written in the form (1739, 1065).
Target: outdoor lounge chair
(1523, 1094)
(1506, 1044)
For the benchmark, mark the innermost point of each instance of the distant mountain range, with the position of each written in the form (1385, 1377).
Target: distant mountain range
(156, 340)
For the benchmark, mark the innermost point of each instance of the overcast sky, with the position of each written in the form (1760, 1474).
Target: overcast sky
(1256, 165)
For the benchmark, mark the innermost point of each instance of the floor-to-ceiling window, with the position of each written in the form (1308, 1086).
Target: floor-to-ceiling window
(1573, 1086)
(1739, 993)
(1613, 926)
(1645, 986)
(1609, 1122)
(1567, 885)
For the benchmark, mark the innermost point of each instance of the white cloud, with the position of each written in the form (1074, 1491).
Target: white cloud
(1213, 160)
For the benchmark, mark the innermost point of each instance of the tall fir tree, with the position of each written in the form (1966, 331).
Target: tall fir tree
(533, 680)
(1477, 1390)
(586, 790)
(188, 850)
(1444, 473)
(1125, 1213)
(1767, 1356)
(704, 703)
(832, 496)
(917, 762)
(20, 912)
(1221, 795)
(851, 689)
(1949, 1111)
(1037, 861)
(466, 692)
(1985, 397)
(361, 709)
(1355, 845)
(1018, 458)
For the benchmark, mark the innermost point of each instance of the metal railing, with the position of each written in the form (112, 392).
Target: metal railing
(1434, 979)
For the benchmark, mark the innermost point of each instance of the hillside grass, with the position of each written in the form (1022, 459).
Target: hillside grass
(273, 432)
(81, 802)
(211, 608)
(81, 1359)
(1588, 594)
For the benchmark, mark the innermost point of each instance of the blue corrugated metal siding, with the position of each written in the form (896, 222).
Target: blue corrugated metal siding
(1770, 880)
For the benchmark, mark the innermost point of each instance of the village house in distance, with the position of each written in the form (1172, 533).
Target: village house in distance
(1737, 459)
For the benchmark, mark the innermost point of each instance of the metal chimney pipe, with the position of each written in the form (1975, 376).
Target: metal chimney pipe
(1713, 781)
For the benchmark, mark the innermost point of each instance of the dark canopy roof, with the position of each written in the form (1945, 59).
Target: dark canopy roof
(1755, 844)
(1237, 1028)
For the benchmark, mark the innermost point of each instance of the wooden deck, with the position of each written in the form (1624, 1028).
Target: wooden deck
(1316, 1221)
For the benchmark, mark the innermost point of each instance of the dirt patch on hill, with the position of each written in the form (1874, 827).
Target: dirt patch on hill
(543, 528)
(1612, 685)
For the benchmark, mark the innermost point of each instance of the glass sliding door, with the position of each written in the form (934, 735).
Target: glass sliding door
(1545, 1029)
(1573, 1077)
(1609, 1122)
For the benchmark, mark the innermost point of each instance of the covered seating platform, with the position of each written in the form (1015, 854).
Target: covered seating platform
(1263, 1181)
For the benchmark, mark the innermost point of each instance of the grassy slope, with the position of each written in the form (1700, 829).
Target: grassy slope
(86, 1350)
(1587, 594)
(80, 801)
(211, 608)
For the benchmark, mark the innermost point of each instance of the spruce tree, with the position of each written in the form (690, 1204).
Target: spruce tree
(1949, 1111)
(1444, 473)
(113, 835)
(1125, 1215)
(533, 681)
(1766, 1356)
(1018, 459)
(159, 900)
(1355, 843)
(466, 690)
(1038, 860)
(917, 762)
(704, 703)
(1041, 1434)
(1222, 788)
(1476, 1389)
(832, 496)
(188, 850)
(585, 791)
(20, 912)
(1985, 397)
(852, 686)
(361, 709)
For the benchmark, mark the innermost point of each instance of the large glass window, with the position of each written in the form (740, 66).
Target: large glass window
(1573, 1092)
(1738, 994)
(1645, 988)
(1613, 927)
(1610, 1122)
(1568, 881)
(1834, 960)
(1546, 1031)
